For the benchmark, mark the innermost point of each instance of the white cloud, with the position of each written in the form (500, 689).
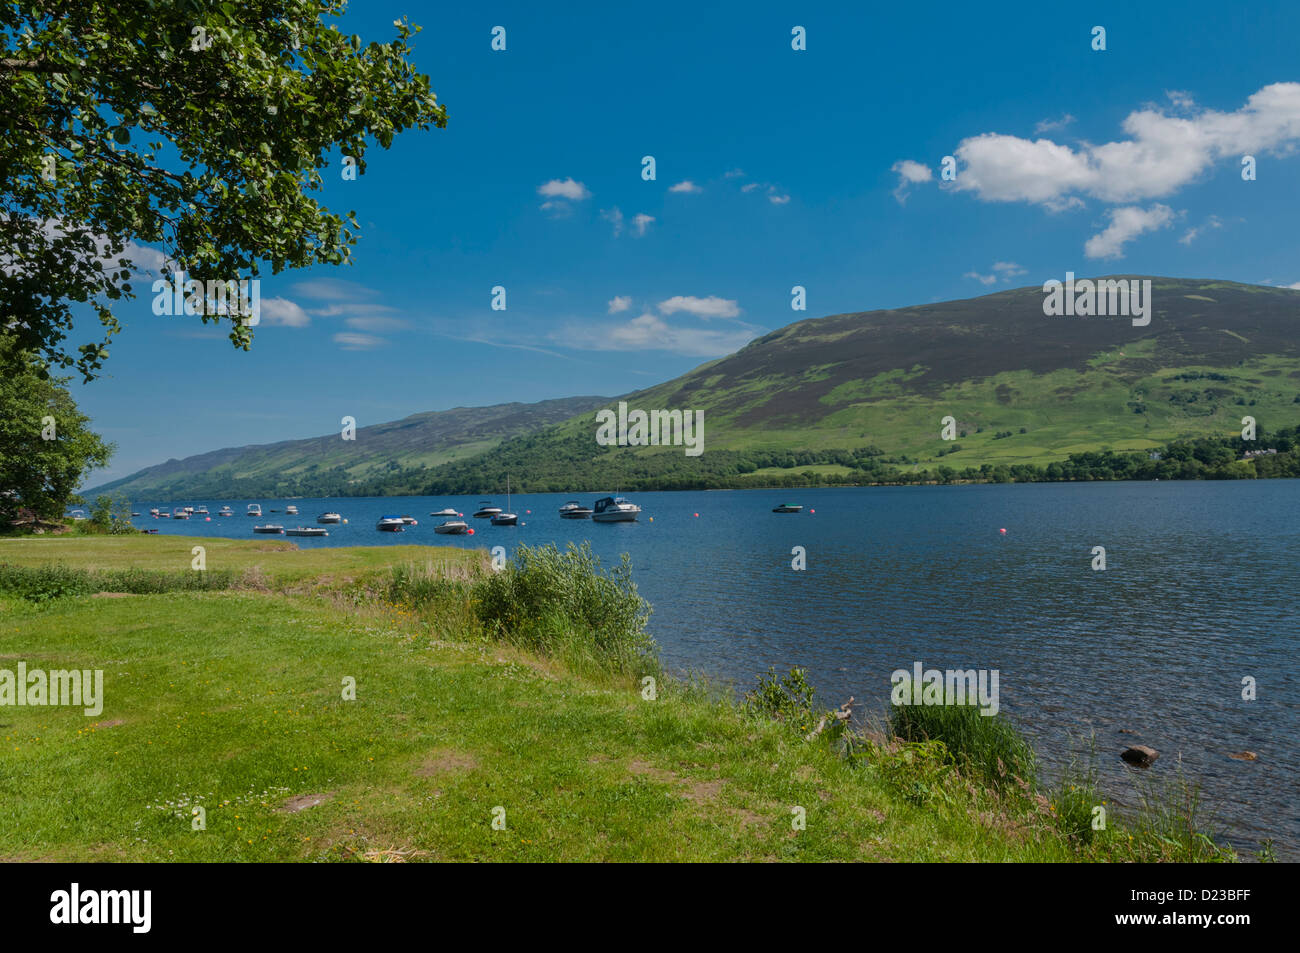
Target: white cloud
(1194, 232)
(563, 189)
(619, 303)
(615, 217)
(685, 186)
(649, 332)
(910, 173)
(1161, 154)
(749, 187)
(640, 222)
(776, 198)
(1006, 270)
(1125, 225)
(358, 342)
(284, 312)
(710, 307)
(1051, 125)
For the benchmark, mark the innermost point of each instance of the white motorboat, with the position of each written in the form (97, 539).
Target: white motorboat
(201, 511)
(270, 528)
(181, 515)
(409, 520)
(254, 510)
(225, 511)
(390, 524)
(454, 527)
(329, 518)
(448, 511)
(291, 510)
(573, 510)
(615, 509)
(486, 509)
(307, 531)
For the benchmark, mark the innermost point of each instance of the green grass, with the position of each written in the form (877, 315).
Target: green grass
(233, 701)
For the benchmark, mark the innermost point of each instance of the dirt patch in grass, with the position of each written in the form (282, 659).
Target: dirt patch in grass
(446, 761)
(301, 802)
(699, 793)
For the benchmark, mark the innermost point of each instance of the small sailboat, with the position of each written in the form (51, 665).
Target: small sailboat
(390, 524)
(573, 510)
(454, 527)
(329, 518)
(506, 518)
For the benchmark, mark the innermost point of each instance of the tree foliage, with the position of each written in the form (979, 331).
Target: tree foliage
(201, 127)
(45, 446)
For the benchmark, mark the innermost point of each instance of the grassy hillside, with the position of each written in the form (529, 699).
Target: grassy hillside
(331, 466)
(1025, 389)
(231, 701)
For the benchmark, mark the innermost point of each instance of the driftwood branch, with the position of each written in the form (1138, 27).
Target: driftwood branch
(840, 715)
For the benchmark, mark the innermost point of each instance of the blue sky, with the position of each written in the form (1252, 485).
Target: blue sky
(804, 168)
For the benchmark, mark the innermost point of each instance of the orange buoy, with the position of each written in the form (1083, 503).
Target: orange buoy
(471, 532)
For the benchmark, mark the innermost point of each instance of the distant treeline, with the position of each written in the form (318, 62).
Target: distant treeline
(545, 464)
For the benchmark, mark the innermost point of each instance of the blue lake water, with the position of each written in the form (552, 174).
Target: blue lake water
(1199, 592)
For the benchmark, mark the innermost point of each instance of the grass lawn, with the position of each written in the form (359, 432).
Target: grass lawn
(233, 701)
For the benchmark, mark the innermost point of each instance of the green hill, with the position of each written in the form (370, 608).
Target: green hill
(331, 466)
(835, 397)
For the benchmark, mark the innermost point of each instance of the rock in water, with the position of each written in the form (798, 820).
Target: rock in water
(1140, 755)
(1244, 756)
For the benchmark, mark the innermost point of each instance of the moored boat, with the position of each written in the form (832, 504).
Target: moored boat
(615, 509)
(788, 508)
(271, 528)
(329, 518)
(181, 515)
(225, 511)
(409, 520)
(307, 531)
(390, 524)
(506, 518)
(447, 511)
(254, 510)
(573, 510)
(486, 509)
(291, 510)
(454, 527)
(200, 511)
